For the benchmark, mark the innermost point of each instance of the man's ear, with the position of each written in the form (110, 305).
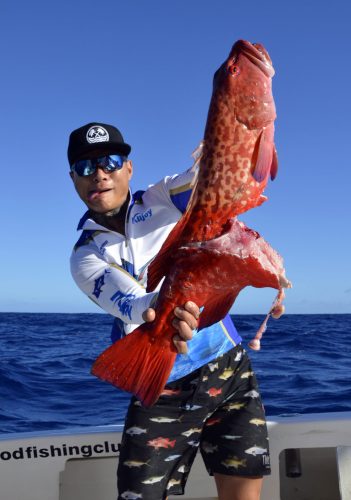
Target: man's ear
(130, 168)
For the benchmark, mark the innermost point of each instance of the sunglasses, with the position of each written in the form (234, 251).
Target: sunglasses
(108, 163)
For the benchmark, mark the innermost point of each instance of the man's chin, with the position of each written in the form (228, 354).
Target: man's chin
(105, 212)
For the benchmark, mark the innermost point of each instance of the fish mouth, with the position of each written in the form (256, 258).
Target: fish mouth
(257, 54)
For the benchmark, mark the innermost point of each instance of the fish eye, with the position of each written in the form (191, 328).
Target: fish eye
(233, 69)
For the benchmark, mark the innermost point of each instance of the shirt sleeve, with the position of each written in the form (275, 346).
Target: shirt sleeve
(179, 188)
(110, 286)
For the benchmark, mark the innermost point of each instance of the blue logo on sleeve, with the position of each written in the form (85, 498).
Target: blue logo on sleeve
(123, 302)
(102, 248)
(99, 283)
(141, 217)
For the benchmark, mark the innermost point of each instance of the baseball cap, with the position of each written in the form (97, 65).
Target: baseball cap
(95, 136)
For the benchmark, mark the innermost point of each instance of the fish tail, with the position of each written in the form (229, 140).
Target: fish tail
(137, 364)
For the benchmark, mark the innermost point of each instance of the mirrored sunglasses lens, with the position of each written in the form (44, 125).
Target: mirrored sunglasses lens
(117, 160)
(84, 167)
(109, 163)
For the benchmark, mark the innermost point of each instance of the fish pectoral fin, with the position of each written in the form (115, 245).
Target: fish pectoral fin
(215, 309)
(264, 158)
(274, 165)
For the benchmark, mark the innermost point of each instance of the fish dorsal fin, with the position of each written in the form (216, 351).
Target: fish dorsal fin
(263, 154)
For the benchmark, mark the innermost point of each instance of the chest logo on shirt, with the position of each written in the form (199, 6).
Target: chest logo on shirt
(141, 217)
(123, 302)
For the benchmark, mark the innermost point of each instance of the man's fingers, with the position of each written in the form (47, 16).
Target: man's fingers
(185, 332)
(192, 308)
(190, 318)
(180, 344)
(185, 321)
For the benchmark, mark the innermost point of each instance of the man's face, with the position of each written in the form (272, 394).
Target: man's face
(104, 192)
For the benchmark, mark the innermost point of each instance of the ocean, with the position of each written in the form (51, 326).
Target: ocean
(303, 367)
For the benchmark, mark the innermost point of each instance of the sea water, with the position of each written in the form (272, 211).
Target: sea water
(45, 384)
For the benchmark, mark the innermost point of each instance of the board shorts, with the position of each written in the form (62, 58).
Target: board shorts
(217, 409)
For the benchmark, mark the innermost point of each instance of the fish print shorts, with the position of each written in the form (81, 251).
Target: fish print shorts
(216, 408)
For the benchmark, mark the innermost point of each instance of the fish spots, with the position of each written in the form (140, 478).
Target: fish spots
(242, 174)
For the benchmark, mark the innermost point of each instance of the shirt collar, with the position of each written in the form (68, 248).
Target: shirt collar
(86, 222)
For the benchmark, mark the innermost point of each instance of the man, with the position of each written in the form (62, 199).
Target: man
(211, 399)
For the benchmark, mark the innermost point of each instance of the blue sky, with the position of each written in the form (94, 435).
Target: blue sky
(147, 67)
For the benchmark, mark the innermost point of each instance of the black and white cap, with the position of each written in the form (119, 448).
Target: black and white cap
(95, 136)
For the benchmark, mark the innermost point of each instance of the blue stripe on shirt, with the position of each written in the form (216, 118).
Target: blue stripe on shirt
(205, 346)
(180, 200)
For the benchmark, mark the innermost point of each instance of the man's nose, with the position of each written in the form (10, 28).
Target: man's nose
(100, 174)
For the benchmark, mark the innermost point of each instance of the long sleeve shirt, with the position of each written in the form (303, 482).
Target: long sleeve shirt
(111, 268)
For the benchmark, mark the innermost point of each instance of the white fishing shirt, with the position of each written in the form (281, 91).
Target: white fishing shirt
(111, 268)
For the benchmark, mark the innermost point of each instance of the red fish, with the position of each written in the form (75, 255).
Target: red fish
(210, 256)
(213, 392)
(161, 442)
(170, 392)
(213, 421)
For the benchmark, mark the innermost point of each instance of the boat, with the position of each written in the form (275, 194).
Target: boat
(310, 459)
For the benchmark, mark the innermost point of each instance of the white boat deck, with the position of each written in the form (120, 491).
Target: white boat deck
(81, 463)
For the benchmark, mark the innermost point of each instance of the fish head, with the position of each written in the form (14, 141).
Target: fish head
(244, 82)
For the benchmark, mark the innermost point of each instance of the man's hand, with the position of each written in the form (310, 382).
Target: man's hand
(185, 322)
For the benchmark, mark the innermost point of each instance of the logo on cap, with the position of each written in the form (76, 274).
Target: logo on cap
(97, 134)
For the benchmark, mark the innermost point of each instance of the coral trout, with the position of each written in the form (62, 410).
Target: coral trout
(209, 256)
